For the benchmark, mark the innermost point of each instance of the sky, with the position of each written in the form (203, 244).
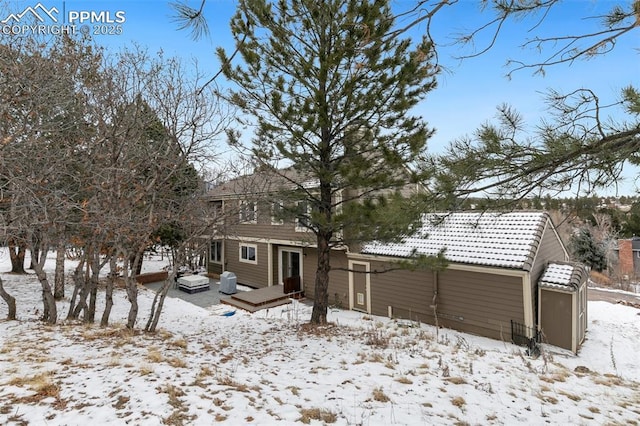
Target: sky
(266, 368)
(468, 91)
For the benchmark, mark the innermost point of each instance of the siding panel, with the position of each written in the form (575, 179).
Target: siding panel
(409, 293)
(480, 303)
(247, 273)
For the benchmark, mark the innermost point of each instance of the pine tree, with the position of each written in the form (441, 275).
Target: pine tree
(329, 86)
(587, 250)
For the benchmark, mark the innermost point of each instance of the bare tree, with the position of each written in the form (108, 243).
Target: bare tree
(9, 300)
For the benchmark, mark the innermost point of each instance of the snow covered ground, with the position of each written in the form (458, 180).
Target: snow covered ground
(270, 368)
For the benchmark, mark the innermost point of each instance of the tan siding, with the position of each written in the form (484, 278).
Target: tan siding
(550, 249)
(480, 303)
(470, 301)
(409, 293)
(247, 273)
(338, 277)
(268, 231)
(263, 228)
(214, 268)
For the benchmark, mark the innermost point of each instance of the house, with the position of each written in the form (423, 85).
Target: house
(491, 285)
(627, 258)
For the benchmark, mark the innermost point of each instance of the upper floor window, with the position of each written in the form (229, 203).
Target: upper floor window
(216, 207)
(304, 213)
(248, 211)
(277, 211)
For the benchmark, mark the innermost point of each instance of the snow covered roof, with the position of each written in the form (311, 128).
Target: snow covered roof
(562, 276)
(508, 240)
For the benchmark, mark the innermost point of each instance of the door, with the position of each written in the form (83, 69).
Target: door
(290, 269)
(359, 286)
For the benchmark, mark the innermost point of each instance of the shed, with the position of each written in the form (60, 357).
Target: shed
(562, 296)
(490, 285)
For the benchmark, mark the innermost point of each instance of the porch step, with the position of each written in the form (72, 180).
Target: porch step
(251, 307)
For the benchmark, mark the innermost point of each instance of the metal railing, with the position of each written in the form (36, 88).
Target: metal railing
(523, 335)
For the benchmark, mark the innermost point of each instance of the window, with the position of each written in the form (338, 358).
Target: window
(248, 211)
(216, 207)
(215, 252)
(277, 211)
(302, 219)
(248, 253)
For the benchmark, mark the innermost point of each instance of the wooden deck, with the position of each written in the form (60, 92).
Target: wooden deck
(262, 298)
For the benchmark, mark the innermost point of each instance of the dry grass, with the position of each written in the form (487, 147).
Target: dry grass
(174, 393)
(145, 370)
(376, 357)
(204, 373)
(404, 380)
(571, 396)
(376, 337)
(319, 330)
(321, 414)
(119, 335)
(380, 396)
(548, 399)
(600, 278)
(154, 355)
(294, 390)
(608, 380)
(179, 343)
(176, 362)
(458, 401)
(42, 384)
(228, 381)
(456, 380)
(560, 376)
(164, 334)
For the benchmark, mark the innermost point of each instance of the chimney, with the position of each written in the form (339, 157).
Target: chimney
(625, 256)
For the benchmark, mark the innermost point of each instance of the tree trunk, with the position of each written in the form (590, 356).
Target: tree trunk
(35, 255)
(108, 294)
(160, 296)
(132, 294)
(93, 287)
(36, 249)
(50, 309)
(16, 253)
(78, 284)
(135, 262)
(132, 290)
(321, 302)
(10, 300)
(58, 280)
(84, 291)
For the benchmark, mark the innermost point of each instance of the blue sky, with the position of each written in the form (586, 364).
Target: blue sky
(468, 92)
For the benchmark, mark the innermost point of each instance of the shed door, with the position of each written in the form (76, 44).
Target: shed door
(556, 322)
